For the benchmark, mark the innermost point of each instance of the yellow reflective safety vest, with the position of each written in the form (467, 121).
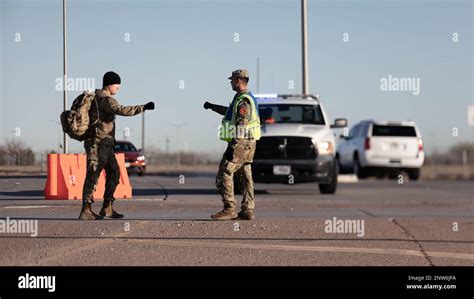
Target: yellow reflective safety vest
(229, 130)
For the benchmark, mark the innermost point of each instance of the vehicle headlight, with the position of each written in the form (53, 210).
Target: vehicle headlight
(325, 147)
(141, 158)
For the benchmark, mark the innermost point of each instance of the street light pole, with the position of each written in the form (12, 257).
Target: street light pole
(258, 75)
(143, 133)
(304, 31)
(65, 145)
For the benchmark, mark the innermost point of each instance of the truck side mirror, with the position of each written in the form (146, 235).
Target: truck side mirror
(339, 123)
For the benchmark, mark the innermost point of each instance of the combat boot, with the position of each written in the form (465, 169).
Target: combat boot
(247, 214)
(88, 214)
(226, 214)
(108, 211)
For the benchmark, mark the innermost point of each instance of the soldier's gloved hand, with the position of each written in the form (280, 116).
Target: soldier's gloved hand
(208, 105)
(150, 106)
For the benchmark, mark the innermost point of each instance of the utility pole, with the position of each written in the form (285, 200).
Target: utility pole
(304, 31)
(258, 75)
(143, 133)
(65, 145)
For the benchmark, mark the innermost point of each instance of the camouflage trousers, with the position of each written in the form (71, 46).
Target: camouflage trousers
(237, 161)
(100, 157)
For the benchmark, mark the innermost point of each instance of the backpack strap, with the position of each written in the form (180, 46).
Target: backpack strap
(98, 116)
(97, 107)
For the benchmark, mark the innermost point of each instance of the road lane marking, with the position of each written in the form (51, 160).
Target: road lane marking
(147, 199)
(331, 249)
(33, 207)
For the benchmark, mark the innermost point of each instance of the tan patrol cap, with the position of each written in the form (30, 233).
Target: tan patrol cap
(239, 74)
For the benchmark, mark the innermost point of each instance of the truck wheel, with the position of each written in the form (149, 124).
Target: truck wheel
(359, 170)
(331, 187)
(393, 174)
(414, 174)
(380, 175)
(342, 170)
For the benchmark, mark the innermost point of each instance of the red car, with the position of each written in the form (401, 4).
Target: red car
(134, 159)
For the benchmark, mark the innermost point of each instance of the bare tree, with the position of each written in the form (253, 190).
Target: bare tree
(15, 152)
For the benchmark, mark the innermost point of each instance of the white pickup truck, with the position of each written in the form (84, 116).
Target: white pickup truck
(297, 143)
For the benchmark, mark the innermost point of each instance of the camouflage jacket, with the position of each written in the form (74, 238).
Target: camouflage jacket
(102, 116)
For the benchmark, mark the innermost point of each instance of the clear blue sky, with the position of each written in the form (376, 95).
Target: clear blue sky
(194, 41)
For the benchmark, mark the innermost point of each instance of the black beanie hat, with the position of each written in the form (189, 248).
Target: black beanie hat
(110, 78)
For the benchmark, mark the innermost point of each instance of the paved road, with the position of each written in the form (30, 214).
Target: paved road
(167, 223)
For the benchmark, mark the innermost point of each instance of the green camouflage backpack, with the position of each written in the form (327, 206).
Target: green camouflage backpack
(75, 122)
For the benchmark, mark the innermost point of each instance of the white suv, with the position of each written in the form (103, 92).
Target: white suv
(380, 148)
(297, 142)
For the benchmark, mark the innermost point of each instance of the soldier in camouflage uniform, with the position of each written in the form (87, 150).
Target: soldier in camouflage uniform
(238, 157)
(100, 143)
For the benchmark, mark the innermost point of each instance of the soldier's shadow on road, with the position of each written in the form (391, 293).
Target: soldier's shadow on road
(182, 191)
(39, 194)
(27, 193)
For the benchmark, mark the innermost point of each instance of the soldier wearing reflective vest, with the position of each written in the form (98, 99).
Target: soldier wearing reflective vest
(241, 129)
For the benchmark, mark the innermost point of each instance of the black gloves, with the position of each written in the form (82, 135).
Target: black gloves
(208, 105)
(150, 106)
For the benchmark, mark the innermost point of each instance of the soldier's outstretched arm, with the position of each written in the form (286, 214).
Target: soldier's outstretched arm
(216, 108)
(113, 106)
(220, 109)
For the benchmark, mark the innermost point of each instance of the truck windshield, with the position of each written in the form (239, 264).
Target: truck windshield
(400, 131)
(283, 113)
